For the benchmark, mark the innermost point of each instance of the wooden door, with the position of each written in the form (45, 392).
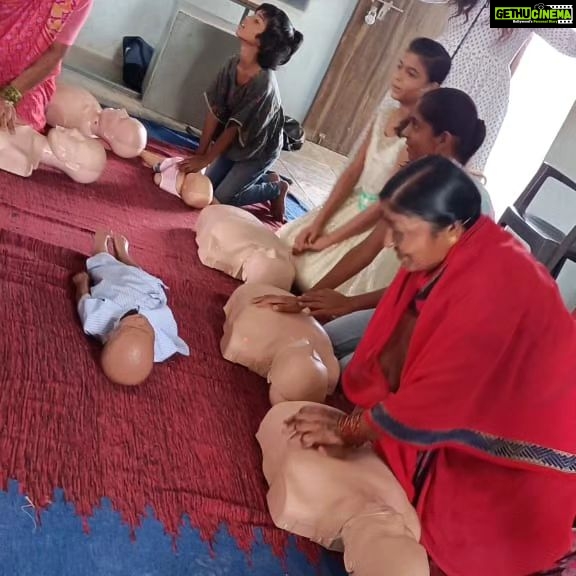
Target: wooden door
(359, 73)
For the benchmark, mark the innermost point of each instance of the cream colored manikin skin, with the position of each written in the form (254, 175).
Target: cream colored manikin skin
(291, 351)
(344, 499)
(82, 159)
(74, 107)
(235, 242)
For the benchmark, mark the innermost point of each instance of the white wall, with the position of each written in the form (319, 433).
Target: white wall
(322, 24)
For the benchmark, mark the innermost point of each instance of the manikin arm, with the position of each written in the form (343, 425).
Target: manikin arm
(151, 158)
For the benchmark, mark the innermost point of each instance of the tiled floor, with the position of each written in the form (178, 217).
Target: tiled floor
(313, 169)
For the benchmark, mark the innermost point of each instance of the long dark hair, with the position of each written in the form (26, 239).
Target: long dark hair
(453, 111)
(435, 190)
(465, 6)
(279, 41)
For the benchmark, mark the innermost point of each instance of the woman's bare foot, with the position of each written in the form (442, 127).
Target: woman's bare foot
(121, 245)
(101, 238)
(278, 205)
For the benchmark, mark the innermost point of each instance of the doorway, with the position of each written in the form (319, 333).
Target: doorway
(359, 73)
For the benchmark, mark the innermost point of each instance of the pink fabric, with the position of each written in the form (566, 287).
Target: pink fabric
(169, 174)
(27, 30)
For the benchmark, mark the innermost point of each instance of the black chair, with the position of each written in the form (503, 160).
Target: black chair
(550, 246)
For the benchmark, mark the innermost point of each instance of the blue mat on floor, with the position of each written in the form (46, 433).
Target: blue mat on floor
(168, 136)
(294, 208)
(58, 545)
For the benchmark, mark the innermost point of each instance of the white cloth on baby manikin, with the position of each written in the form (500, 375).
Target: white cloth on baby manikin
(118, 289)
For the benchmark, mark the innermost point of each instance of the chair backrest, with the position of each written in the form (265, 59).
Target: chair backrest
(559, 182)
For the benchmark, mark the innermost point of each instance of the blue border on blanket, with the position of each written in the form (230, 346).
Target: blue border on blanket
(513, 450)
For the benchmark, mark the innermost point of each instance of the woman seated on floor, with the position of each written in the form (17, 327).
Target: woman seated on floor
(464, 383)
(34, 38)
(245, 116)
(423, 66)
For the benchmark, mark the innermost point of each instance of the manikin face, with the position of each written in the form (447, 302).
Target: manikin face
(111, 118)
(251, 27)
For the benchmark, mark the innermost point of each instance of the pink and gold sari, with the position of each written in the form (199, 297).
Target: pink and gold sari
(28, 28)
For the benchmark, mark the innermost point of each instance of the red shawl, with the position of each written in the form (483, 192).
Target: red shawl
(488, 387)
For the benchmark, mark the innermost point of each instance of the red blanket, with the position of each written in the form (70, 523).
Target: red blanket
(489, 388)
(183, 443)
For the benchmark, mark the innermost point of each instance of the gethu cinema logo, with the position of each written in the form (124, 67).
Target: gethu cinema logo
(539, 12)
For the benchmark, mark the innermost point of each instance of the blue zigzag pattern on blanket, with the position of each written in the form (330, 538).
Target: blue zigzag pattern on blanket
(58, 545)
(514, 450)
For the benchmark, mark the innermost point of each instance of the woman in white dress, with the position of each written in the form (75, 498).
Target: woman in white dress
(481, 61)
(423, 67)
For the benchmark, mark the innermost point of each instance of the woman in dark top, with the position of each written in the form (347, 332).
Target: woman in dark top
(245, 118)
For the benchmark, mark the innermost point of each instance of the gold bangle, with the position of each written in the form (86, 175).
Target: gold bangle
(349, 430)
(11, 94)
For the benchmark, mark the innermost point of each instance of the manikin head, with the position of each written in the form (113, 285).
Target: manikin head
(73, 107)
(265, 266)
(298, 373)
(126, 136)
(83, 159)
(128, 355)
(197, 191)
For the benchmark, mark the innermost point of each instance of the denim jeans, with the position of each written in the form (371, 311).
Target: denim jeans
(242, 183)
(346, 332)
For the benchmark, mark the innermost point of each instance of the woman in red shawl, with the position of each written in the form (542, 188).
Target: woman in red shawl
(466, 383)
(34, 38)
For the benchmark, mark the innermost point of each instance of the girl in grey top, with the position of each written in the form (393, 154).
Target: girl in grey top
(245, 118)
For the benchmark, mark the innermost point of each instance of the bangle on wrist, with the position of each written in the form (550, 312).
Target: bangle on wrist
(11, 94)
(349, 430)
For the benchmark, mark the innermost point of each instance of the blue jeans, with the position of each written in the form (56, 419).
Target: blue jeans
(242, 183)
(346, 332)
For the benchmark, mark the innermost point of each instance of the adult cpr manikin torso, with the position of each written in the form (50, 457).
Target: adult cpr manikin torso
(291, 350)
